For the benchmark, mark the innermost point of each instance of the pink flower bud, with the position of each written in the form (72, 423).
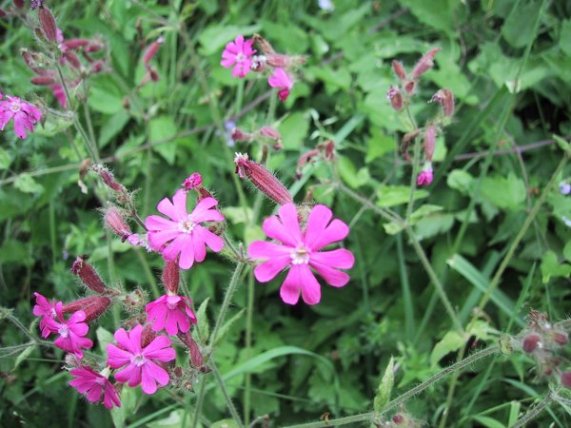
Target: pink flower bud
(429, 141)
(264, 180)
(148, 335)
(238, 135)
(33, 61)
(566, 379)
(263, 44)
(19, 4)
(410, 86)
(560, 337)
(152, 50)
(425, 63)
(398, 419)
(445, 98)
(531, 342)
(395, 97)
(270, 133)
(108, 178)
(114, 220)
(399, 69)
(278, 60)
(153, 74)
(72, 59)
(2, 13)
(196, 358)
(48, 24)
(93, 306)
(425, 177)
(171, 276)
(88, 275)
(193, 181)
(98, 66)
(94, 46)
(43, 80)
(75, 43)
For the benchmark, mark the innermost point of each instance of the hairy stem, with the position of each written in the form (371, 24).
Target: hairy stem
(224, 390)
(534, 411)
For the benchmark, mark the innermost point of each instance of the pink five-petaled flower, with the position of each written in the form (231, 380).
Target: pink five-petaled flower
(140, 363)
(282, 81)
(24, 115)
(46, 310)
(171, 313)
(238, 54)
(424, 177)
(183, 234)
(95, 387)
(300, 252)
(71, 332)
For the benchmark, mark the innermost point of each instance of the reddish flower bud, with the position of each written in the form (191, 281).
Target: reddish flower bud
(398, 419)
(278, 60)
(2, 13)
(196, 358)
(108, 178)
(114, 220)
(72, 59)
(238, 135)
(425, 177)
(75, 43)
(93, 306)
(193, 181)
(445, 98)
(410, 86)
(171, 276)
(98, 66)
(88, 275)
(399, 69)
(153, 74)
(43, 80)
(33, 61)
(263, 179)
(152, 50)
(303, 160)
(19, 4)
(566, 379)
(429, 141)
(270, 133)
(94, 46)
(48, 24)
(560, 337)
(425, 63)
(531, 342)
(148, 335)
(328, 149)
(395, 97)
(263, 44)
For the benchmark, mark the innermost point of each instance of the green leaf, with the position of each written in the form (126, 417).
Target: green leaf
(112, 127)
(225, 423)
(217, 36)
(385, 388)
(23, 356)
(438, 14)
(550, 267)
(104, 337)
(504, 192)
(460, 180)
(567, 251)
(378, 145)
(350, 175)
(523, 16)
(5, 159)
(128, 402)
(163, 128)
(237, 215)
(105, 96)
(26, 183)
(451, 342)
(294, 130)
(224, 329)
(564, 144)
(488, 422)
(389, 196)
(203, 325)
(565, 37)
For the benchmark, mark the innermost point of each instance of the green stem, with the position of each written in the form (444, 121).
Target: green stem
(486, 352)
(199, 402)
(248, 344)
(224, 390)
(7, 313)
(415, 165)
(534, 412)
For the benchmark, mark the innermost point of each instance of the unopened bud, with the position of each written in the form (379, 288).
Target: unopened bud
(263, 44)
(48, 24)
(134, 299)
(239, 135)
(114, 220)
(193, 181)
(19, 4)
(72, 59)
(560, 337)
(566, 379)
(395, 97)
(278, 60)
(410, 87)
(399, 69)
(152, 50)
(148, 335)
(425, 177)
(327, 149)
(425, 63)
(75, 43)
(429, 141)
(108, 178)
(303, 160)
(445, 98)
(171, 276)
(398, 419)
(33, 61)
(88, 275)
(153, 74)
(43, 80)
(263, 179)
(531, 342)
(196, 358)
(98, 66)
(2, 13)
(93, 306)
(94, 46)
(271, 133)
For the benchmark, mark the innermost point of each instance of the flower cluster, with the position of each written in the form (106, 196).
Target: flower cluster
(240, 55)
(25, 116)
(400, 96)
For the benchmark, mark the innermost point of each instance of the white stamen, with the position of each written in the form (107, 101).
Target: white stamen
(300, 256)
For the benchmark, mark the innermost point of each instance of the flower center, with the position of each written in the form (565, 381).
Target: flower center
(186, 226)
(15, 107)
(63, 331)
(240, 57)
(300, 256)
(138, 360)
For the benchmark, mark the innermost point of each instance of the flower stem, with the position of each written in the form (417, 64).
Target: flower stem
(224, 390)
(534, 412)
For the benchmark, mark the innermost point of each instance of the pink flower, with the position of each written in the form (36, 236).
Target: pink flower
(71, 333)
(281, 80)
(59, 94)
(95, 387)
(171, 313)
(24, 115)
(183, 234)
(299, 252)
(138, 363)
(238, 54)
(424, 177)
(46, 310)
(193, 181)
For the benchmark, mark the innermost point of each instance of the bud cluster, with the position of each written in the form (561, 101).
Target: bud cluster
(324, 151)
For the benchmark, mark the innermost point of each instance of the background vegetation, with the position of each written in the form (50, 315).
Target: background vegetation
(507, 61)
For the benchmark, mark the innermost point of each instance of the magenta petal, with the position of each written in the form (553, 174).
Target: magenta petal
(310, 288)
(274, 229)
(166, 207)
(291, 287)
(174, 248)
(336, 231)
(340, 258)
(160, 349)
(179, 201)
(267, 250)
(318, 219)
(157, 223)
(268, 270)
(333, 277)
(288, 217)
(204, 212)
